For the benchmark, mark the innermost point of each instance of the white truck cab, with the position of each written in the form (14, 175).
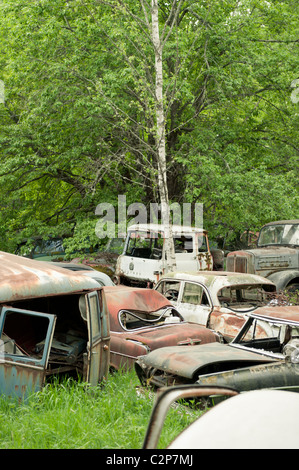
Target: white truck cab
(144, 259)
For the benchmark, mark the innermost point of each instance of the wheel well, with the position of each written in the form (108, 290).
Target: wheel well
(293, 281)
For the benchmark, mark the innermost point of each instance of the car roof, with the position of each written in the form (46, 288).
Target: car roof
(161, 227)
(278, 222)
(286, 313)
(133, 298)
(85, 270)
(71, 266)
(222, 278)
(24, 278)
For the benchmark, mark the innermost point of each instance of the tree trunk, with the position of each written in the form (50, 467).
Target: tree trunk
(160, 140)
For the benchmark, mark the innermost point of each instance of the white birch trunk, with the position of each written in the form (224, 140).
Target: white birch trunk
(161, 151)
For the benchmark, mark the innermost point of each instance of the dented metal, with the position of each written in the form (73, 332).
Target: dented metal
(144, 260)
(217, 300)
(142, 320)
(275, 257)
(249, 362)
(52, 321)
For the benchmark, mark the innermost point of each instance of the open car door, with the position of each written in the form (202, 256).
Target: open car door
(99, 338)
(22, 369)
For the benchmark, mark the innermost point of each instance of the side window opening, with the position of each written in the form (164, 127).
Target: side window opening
(193, 293)
(183, 244)
(25, 335)
(170, 289)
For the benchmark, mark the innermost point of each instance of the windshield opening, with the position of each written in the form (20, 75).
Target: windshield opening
(270, 337)
(147, 245)
(279, 234)
(245, 296)
(130, 320)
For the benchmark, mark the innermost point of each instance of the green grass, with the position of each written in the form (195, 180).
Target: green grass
(70, 415)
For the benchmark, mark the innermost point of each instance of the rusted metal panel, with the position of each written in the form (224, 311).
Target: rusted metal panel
(250, 361)
(19, 372)
(216, 312)
(127, 344)
(134, 299)
(19, 381)
(172, 334)
(39, 352)
(23, 278)
(183, 362)
(278, 375)
(289, 313)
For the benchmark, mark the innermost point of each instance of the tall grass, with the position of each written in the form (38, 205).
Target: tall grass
(70, 415)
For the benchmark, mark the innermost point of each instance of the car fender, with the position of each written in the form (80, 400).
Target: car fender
(283, 278)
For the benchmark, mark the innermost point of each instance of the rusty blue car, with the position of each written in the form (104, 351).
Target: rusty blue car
(52, 321)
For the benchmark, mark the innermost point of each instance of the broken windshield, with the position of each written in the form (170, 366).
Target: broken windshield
(279, 234)
(130, 320)
(241, 296)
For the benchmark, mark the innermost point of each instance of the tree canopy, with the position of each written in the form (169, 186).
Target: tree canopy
(78, 127)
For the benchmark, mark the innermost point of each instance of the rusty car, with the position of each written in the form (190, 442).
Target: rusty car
(143, 260)
(259, 419)
(276, 255)
(218, 300)
(102, 278)
(142, 320)
(52, 321)
(248, 362)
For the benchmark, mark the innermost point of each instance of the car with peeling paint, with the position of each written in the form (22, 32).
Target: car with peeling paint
(218, 300)
(102, 278)
(52, 321)
(259, 419)
(143, 320)
(144, 260)
(249, 362)
(276, 255)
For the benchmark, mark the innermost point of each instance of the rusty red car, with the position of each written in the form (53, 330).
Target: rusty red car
(143, 320)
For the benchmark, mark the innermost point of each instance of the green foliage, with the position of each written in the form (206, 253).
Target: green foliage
(78, 124)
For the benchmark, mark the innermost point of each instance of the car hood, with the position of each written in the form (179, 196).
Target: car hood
(185, 361)
(266, 250)
(172, 335)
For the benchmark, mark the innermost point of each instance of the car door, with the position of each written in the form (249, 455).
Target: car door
(171, 289)
(194, 303)
(23, 372)
(99, 337)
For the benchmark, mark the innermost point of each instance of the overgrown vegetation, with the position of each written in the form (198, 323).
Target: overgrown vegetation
(70, 415)
(77, 126)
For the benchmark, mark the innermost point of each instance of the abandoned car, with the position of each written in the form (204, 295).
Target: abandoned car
(142, 320)
(248, 362)
(144, 259)
(275, 257)
(217, 300)
(102, 278)
(52, 321)
(254, 420)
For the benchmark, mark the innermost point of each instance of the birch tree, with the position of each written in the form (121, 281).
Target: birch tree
(158, 43)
